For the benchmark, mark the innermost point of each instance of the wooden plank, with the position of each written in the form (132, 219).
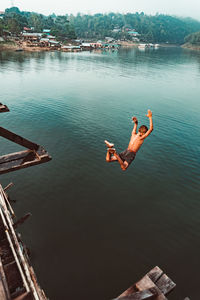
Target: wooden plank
(131, 290)
(13, 156)
(4, 291)
(21, 220)
(155, 274)
(2, 233)
(22, 159)
(165, 284)
(25, 296)
(147, 283)
(3, 108)
(18, 293)
(5, 252)
(8, 186)
(141, 295)
(9, 135)
(13, 277)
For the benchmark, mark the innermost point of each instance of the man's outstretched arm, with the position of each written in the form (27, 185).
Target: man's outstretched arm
(149, 115)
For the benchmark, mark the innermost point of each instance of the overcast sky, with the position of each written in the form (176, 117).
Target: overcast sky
(189, 8)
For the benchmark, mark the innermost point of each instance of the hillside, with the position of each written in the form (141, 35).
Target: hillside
(152, 29)
(155, 29)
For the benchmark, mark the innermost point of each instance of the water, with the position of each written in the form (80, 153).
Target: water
(94, 229)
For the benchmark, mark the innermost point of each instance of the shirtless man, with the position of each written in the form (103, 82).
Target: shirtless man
(126, 157)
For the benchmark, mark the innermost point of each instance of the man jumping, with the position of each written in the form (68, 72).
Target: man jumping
(126, 157)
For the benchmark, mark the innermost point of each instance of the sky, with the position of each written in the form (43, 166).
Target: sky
(185, 8)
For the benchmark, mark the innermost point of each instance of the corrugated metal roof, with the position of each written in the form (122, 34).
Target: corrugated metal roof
(31, 34)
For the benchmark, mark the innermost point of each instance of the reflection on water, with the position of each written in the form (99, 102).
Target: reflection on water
(92, 224)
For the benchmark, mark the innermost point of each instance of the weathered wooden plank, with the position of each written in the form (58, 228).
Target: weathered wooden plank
(155, 274)
(18, 293)
(25, 296)
(5, 252)
(21, 220)
(9, 135)
(147, 283)
(8, 186)
(131, 290)
(165, 284)
(4, 291)
(22, 159)
(3, 108)
(2, 233)
(13, 277)
(141, 295)
(14, 156)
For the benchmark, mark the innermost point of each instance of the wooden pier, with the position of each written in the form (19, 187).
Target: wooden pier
(35, 154)
(154, 285)
(17, 277)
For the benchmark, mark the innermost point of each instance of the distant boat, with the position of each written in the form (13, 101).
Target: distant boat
(142, 46)
(19, 49)
(71, 48)
(147, 46)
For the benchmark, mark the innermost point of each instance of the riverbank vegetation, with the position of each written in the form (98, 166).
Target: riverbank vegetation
(150, 29)
(15, 20)
(193, 39)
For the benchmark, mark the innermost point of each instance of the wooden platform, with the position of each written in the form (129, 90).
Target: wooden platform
(17, 277)
(154, 285)
(3, 108)
(35, 154)
(23, 159)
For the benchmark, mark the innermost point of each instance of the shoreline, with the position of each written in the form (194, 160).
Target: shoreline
(15, 47)
(191, 47)
(124, 44)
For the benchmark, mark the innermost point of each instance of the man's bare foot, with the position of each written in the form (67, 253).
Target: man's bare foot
(109, 145)
(112, 150)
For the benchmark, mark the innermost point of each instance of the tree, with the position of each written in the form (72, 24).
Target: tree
(12, 10)
(13, 26)
(36, 21)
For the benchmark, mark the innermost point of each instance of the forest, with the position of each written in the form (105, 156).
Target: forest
(15, 20)
(153, 29)
(193, 38)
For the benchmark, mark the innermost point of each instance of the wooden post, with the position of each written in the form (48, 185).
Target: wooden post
(9, 135)
(8, 186)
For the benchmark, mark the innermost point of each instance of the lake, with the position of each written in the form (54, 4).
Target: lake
(94, 229)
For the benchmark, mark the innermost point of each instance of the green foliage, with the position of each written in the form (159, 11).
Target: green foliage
(62, 29)
(36, 21)
(158, 28)
(193, 38)
(1, 27)
(15, 20)
(12, 10)
(155, 29)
